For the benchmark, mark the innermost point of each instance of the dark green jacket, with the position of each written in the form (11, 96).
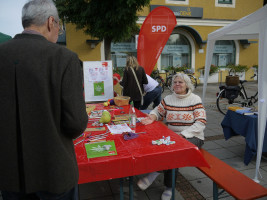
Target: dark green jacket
(41, 110)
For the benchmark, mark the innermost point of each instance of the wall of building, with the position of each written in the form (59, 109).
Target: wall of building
(76, 41)
(213, 19)
(242, 8)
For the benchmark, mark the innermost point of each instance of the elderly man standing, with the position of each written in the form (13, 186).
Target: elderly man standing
(42, 109)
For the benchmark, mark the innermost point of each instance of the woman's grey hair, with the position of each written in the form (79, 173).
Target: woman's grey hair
(36, 12)
(131, 61)
(186, 79)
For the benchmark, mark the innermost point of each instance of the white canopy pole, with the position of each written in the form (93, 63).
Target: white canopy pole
(209, 54)
(253, 26)
(262, 93)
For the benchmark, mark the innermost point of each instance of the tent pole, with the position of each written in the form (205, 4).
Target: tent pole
(262, 96)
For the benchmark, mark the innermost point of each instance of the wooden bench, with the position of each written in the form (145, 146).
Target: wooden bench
(230, 180)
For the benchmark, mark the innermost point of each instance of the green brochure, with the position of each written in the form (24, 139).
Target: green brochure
(100, 149)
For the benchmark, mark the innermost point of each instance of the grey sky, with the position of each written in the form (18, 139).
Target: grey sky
(10, 16)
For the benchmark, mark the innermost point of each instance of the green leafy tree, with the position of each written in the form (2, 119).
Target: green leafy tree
(108, 20)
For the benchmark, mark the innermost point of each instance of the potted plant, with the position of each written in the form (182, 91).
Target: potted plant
(171, 69)
(255, 67)
(234, 69)
(181, 69)
(213, 69)
(234, 73)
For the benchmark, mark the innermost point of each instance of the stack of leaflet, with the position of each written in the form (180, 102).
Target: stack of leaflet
(241, 110)
(234, 108)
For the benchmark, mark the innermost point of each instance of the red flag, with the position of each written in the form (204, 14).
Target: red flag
(153, 36)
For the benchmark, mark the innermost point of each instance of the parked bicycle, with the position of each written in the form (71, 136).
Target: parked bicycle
(234, 96)
(168, 82)
(189, 74)
(155, 75)
(169, 75)
(193, 79)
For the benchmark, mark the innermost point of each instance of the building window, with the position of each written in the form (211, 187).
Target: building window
(177, 52)
(225, 3)
(224, 53)
(184, 2)
(120, 51)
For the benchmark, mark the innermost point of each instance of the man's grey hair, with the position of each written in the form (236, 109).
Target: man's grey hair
(36, 12)
(186, 79)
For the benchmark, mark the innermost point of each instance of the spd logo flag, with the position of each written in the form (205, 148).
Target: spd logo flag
(153, 36)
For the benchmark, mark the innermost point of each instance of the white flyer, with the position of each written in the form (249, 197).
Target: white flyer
(119, 128)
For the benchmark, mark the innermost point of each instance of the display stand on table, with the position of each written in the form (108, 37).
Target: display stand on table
(98, 81)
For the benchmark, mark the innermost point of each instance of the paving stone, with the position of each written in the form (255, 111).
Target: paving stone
(238, 150)
(222, 153)
(191, 173)
(226, 143)
(238, 163)
(208, 145)
(94, 190)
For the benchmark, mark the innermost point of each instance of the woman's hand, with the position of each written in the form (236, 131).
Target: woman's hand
(149, 119)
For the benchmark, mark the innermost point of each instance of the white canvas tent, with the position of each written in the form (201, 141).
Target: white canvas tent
(253, 26)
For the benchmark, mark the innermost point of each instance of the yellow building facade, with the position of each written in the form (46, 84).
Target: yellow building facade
(187, 44)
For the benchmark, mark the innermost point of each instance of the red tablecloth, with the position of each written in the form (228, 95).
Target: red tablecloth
(139, 156)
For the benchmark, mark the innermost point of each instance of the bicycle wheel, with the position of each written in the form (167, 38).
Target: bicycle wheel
(161, 83)
(193, 80)
(169, 82)
(223, 103)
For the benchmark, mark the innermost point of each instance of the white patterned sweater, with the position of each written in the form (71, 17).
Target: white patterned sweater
(184, 114)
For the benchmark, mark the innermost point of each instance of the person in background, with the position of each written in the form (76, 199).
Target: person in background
(129, 84)
(42, 109)
(116, 80)
(153, 93)
(185, 115)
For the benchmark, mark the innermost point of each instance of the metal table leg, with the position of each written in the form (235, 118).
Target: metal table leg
(121, 189)
(173, 184)
(215, 191)
(130, 187)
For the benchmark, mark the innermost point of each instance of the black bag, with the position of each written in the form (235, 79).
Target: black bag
(221, 88)
(231, 92)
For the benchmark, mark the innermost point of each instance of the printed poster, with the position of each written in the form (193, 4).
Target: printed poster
(98, 81)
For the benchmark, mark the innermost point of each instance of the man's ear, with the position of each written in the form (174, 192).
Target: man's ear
(50, 23)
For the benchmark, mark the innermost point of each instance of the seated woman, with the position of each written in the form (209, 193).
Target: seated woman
(185, 115)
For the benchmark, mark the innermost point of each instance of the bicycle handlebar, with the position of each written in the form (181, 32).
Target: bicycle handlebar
(253, 76)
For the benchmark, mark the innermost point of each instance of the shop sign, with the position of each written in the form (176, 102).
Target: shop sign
(176, 49)
(223, 49)
(181, 11)
(123, 47)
